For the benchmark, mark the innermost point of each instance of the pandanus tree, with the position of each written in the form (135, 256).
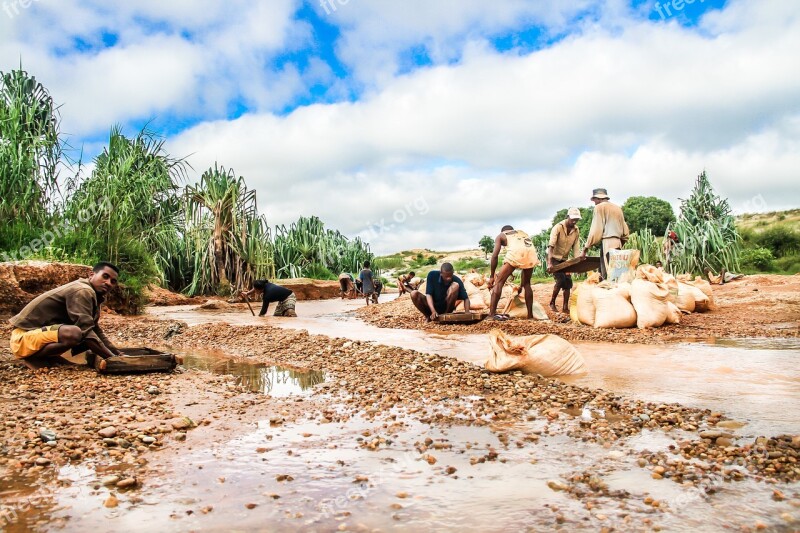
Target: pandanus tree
(30, 153)
(306, 249)
(707, 232)
(227, 239)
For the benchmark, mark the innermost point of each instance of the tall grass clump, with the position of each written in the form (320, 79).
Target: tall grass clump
(707, 232)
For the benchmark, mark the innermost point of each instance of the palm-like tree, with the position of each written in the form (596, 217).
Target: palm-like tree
(228, 240)
(30, 150)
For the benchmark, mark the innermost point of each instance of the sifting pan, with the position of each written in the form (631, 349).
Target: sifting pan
(460, 318)
(135, 360)
(578, 265)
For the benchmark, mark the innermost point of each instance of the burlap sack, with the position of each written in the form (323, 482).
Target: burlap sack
(548, 355)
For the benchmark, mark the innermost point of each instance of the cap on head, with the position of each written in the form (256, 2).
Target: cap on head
(574, 213)
(600, 194)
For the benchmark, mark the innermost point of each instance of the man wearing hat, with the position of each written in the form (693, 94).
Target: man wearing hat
(564, 238)
(609, 229)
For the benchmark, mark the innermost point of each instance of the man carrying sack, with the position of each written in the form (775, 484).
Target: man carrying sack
(564, 238)
(608, 228)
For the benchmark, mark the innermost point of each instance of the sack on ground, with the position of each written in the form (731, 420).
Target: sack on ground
(622, 265)
(650, 302)
(583, 306)
(548, 355)
(706, 289)
(517, 309)
(613, 308)
(673, 314)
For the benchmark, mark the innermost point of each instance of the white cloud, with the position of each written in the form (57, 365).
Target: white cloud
(502, 139)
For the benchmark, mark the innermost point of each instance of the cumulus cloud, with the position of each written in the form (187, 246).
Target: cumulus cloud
(508, 138)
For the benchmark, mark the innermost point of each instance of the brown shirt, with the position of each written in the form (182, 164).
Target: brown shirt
(608, 225)
(75, 304)
(562, 242)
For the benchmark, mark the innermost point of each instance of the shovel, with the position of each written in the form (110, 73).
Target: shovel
(246, 299)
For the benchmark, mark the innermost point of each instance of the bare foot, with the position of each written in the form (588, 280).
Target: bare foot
(553, 308)
(565, 309)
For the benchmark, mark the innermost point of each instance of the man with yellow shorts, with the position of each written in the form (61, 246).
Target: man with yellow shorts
(520, 253)
(65, 319)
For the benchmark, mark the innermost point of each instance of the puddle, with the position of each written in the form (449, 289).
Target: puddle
(265, 379)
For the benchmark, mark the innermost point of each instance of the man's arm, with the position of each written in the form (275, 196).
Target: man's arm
(104, 340)
(431, 306)
(80, 309)
(466, 305)
(264, 305)
(498, 244)
(462, 295)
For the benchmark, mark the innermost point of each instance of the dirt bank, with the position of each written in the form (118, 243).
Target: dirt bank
(756, 306)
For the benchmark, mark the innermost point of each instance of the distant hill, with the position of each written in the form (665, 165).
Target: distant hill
(762, 221)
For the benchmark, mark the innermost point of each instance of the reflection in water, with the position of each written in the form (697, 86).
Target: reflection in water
(273, 380)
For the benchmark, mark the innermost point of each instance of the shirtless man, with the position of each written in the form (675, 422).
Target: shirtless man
(521, 254)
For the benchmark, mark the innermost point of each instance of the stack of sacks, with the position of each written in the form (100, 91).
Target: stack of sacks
(479, 280)
(700, 290)
(651, 298)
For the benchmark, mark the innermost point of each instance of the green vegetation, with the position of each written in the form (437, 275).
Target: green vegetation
(650, 249)
(486, 244)
(30, 154)
(771, 242)
(707, 232)
(132, 210)
(648, 212)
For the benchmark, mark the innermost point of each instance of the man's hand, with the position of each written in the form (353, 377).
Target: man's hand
(490, 282)
(549, 268)
(583, 254)
(434, 315)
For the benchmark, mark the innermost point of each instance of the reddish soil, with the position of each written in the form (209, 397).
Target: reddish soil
(755, 306)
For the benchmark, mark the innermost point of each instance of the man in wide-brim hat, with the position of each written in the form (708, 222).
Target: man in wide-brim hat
(609, 229)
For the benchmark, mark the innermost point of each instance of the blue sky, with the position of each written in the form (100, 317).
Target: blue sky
(486, 113)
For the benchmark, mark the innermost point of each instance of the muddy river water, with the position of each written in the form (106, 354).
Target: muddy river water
(756, 381)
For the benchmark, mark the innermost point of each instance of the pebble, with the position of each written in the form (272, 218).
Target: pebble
(108, 432)
(42, 461)
(47, 435)
(153, 390)
(111, 502)
(110, 480)
(148, 439)
(557, 485)
(127, 482)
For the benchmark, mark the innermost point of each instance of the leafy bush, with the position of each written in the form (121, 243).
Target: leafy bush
(757, 259)
(788, 265)
(462, 265)
(781, 240)
(648, 212)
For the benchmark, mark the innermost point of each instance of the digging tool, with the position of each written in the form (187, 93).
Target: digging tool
(246, 299)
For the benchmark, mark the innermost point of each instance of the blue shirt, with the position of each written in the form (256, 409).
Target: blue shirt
(436, 287)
